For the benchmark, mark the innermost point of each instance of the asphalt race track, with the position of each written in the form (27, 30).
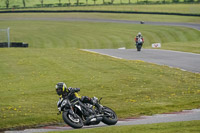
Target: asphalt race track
(183, 60)
(190, 25)
(186, 115)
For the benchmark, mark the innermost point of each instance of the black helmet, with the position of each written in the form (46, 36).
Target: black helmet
(60, 88)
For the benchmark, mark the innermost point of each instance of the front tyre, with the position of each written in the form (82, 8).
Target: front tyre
(72, 120)
(110, 117)
(139, 46)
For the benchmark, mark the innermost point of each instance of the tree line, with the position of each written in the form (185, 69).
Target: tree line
(24, 2)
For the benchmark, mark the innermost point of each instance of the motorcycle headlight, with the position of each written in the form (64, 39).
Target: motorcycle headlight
(95, 99)
(64, 103)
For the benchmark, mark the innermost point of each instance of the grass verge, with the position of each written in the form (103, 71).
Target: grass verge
(173, 127)
(134, 17)
(168, 8)
(58, 33)
(131, 88)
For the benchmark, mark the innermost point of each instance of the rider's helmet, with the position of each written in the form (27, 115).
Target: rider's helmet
(139, 34)
(61, 88)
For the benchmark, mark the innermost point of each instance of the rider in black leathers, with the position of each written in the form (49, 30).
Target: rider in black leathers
(63, 92)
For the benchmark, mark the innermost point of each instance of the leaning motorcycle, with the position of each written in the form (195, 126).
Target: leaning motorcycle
(139, 44)
(77, 114)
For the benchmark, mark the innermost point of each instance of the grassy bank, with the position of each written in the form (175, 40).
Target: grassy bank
(134, 17)
(174, 127)
(169, 8)
(131, 88)
(52, 3)
(62, 34)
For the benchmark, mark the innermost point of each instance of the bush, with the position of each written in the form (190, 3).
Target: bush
(188, 1)
(67, 4)
(58, 4)
(175, 1)
(38, 5)
(16, 6)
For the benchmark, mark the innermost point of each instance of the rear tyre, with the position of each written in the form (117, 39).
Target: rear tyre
(110, 117)
(74, 122)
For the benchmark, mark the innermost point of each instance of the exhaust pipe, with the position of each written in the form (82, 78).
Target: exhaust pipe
(94, 118)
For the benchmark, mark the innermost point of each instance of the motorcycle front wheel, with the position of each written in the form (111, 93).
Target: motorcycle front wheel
(139, 47)
(110, 117)
(72, 120)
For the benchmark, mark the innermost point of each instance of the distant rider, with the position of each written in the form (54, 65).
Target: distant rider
(63, 92)
(139, 39)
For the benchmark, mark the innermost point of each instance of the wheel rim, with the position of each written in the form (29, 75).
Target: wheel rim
(110, 115)
(75, 120)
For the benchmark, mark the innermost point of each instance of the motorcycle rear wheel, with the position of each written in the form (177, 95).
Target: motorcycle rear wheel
(71, 120)
(110, 117)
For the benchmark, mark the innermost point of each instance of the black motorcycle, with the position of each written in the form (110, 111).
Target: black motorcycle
(77, 114)
(139, 44)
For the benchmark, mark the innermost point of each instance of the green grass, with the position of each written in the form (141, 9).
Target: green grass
(171, 8)
(173, 127)
(134, 17)
(63, 34)
(33, 3)
(131, 88)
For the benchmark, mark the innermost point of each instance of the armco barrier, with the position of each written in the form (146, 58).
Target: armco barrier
(98, 11)
(14, 44)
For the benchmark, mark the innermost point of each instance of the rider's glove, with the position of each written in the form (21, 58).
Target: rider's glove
(72, 90)
(76, 89)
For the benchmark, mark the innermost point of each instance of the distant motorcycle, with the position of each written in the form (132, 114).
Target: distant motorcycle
(139, 44)
(77, 114)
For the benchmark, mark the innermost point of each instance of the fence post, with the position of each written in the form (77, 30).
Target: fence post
(8, 34)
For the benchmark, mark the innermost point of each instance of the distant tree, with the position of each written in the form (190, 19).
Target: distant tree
(94, 2)
(112, 1)
(24, 2)
(175, 1)
(86, 2)
(42, 2)
(7, 2)
(77, 2)
(59, 1)
(190, 1)
(164, 1)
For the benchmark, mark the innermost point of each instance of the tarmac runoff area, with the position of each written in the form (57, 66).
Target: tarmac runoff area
(186, 115)
(182, 60)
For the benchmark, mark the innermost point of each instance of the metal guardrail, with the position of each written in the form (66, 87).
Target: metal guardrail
(98, 11)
